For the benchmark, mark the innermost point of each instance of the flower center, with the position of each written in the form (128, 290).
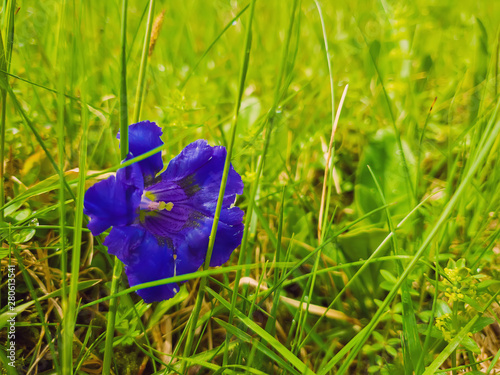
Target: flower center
(149, 203)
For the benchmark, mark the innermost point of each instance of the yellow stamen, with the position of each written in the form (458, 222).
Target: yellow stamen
(166, 206)
(150, 195)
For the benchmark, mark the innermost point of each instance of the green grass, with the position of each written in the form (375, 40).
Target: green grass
(346, 266)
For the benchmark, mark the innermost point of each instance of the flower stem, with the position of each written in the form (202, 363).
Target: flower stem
(118, 267)
(203, 282)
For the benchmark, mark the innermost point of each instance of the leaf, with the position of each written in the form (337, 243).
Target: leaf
(360, 244)
(481, 323)
(49, 184)
(472, 303)
(12, 313)
(471, 345)
(3, 252)
(383, 156)
(249, 112)
(388, 276)
(435, 333)
(484, 285)
(24, 235)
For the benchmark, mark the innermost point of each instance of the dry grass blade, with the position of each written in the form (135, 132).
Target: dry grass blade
(312, 309)
(328, 160)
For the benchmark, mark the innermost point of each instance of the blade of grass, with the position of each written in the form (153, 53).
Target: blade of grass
(391, 113)
(421, 361)
(35, 132)
(271, 340)
(245, 337)
(144, 64)
(253, 190)
(201, 291)
(365, 263)
(66, 332)
(123, 84)
(334, 122)
(418, 174)
(118, 266)
(229, 24)
(3, 94)
(68, 96)
(410, 333)
(5, 59)
(271, 322)
(70, 314)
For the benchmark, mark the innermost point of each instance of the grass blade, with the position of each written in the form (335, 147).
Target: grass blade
(118, 266)
(201, 292)
(278, 346)
(139, 97)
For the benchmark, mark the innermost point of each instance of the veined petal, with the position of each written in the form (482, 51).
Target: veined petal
(191, 243)
(198, 170)
(114, 201)
(190, 159)
(191, 184)
(187, 231)
(146, 259)
(143, 137)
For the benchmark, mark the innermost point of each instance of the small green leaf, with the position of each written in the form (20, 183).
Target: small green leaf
(471, 345)
(481, 323)
(383, 156)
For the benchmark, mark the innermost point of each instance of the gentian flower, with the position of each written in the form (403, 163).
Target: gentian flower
(162, 223)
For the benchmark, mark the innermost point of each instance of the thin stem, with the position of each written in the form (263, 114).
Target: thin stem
(123, 85)
(2, 150)
(118, 266)
(334, 126)
(113, 307)
(228, 26)
(225, 173)
(70, 316)
(144, 63)
(260, 167)
(326, 181)
(67, 334)
(5, 59)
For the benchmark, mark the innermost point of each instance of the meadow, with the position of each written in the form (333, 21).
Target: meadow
(367, 136)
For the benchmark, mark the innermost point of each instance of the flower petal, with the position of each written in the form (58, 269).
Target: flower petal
(114, 201)
(146, 259)
(143, 137)
(192, 182)
(198, 170)
(191, 243)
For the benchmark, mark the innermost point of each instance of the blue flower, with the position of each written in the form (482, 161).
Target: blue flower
(162, 223)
